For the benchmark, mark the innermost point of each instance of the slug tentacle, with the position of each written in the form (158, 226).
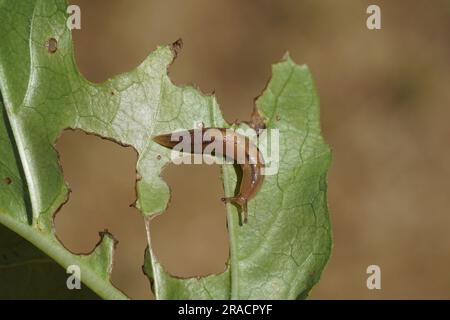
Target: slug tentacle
(229, 145)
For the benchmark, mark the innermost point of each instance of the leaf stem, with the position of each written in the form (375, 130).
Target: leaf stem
(63, 257)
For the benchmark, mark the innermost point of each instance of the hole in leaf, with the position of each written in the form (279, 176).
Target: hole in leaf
(101, 175)
(190, 238)
(51, 45)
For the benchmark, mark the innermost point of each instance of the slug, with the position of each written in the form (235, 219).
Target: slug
(244, 153)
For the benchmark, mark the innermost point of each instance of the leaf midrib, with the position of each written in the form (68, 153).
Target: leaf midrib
(44, 241)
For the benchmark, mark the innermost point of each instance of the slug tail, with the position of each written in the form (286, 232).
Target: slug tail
(165, 140)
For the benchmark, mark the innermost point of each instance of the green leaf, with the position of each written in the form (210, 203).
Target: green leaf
(40, 276)
(279, 254)
(282, 251)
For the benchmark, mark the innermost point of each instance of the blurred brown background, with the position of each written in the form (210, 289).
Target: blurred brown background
(385, 110)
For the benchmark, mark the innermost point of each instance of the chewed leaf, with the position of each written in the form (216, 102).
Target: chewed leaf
(282, 251)
(279, 254)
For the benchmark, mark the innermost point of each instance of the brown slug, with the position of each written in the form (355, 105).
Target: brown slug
(232, 146)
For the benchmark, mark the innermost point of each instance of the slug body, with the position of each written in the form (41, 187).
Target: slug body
(231, 146)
